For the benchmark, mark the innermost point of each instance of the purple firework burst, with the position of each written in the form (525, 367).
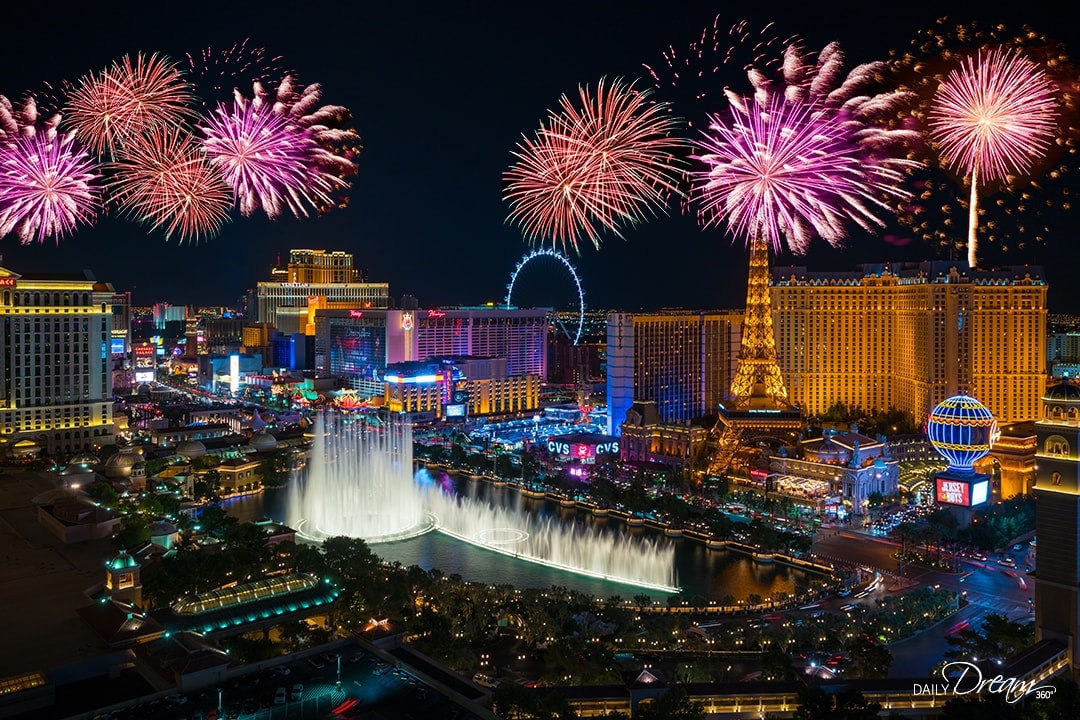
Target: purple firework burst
(267, 159)
(780, 170)
(48, 186)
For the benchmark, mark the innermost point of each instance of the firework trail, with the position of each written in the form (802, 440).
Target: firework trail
(48, 186)
(807, 152)
(164, 180)
(605, 163)
(267, 159)
(129, 98)
(693, 78)
(215, 74)
(992, 117)
(1021, 207)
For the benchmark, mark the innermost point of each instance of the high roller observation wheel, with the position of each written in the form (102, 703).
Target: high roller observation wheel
(552, 253)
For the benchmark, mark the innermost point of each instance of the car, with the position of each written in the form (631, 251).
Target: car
(232, 712)
(844, 592)
(1018, 547)
(248, 707)
(280, 696)
(356, 656)
(281, 670)
(1007, 562)
(317, 663)
(176, 699)
(297, 692)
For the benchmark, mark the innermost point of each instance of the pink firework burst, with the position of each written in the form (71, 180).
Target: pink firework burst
(779, 170)
(992, 117)
(603, 164)
(23, 120)
(132, 96)
(164, 180)
(48, 186)
(268, 160)
(336, 146)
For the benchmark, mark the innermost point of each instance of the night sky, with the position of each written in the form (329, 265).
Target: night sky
(441, 94)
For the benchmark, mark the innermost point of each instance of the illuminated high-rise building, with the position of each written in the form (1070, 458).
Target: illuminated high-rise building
(1057, 519)
(909, 336)
(357, 344)
(314, 280)
(683, 361)
(55, 361)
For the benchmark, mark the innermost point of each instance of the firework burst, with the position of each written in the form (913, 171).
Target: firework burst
(131, 97)
(23, 120)
(48, 186)
(1019, 208)
(601, 165)
(164, 180)
(267, 160)
(808, 152)
(776, 171)
(992, 117)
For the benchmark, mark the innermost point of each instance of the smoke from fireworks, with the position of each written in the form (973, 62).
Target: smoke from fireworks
(128, 98)
(164, 180)
(48, 186)
(807, 153)
(993, 116)
(600, 165)
(267, 159)
(1020, 208)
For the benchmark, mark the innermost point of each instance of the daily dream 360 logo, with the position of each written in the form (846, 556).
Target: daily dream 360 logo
(964, 678)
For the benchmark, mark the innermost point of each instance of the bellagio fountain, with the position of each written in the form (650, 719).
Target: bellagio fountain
(360, 481)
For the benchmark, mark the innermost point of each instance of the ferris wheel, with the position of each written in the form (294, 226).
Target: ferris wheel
(573, 333)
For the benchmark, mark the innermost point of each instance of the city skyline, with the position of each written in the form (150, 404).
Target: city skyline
(440, 98)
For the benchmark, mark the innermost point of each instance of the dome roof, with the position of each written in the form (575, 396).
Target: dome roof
(123, 561)
(119, 463)
(263, 442)
(827, 451)
(1063, 392)
(84, 459)
(161, 527)
(962, 430)
(191, 449)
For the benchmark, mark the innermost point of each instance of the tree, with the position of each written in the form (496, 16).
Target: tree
(997, 638)
(675, 704)
(869, 659)
(776, 663)
(816, 704)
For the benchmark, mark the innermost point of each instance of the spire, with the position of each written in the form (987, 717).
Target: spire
(758, 374)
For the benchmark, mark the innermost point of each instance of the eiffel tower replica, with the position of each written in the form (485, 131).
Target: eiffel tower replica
(758, 405)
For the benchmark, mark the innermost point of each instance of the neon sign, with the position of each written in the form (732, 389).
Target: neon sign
(436, 314)
(356, 313)
(8, 282)
(406, 321)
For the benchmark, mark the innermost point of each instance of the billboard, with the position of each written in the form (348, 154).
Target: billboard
(118, 346)
(964, 493)
(454, 412)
